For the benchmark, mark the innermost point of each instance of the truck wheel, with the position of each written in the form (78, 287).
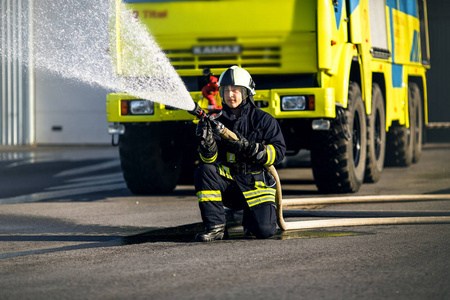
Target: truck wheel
(338, 156)
(150, 157)
(414, 95)
(376, 137)
(400, 141)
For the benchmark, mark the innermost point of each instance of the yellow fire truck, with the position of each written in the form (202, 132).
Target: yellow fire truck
(344, 78)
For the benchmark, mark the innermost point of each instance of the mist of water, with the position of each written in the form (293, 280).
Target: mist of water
(71, 39)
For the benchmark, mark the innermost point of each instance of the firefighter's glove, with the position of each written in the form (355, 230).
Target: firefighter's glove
(238, 147)
(251, 151)
(205, 138)
(257, 153)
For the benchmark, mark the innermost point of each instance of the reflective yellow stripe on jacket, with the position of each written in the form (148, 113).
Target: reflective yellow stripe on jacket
(204, 196)
(270, 155)
(208, 160)
(225, 172)
(260, 195)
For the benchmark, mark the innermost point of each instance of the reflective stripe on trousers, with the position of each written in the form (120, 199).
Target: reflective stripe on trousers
(259, 195)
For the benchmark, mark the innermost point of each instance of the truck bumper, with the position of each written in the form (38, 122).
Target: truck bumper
(268, 100)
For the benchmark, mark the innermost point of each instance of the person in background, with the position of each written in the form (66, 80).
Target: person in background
(211, 89)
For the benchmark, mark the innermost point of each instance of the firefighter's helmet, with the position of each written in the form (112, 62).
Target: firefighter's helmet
(237, 76)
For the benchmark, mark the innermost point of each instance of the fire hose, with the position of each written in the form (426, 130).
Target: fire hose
(227, 134)
(230, 135)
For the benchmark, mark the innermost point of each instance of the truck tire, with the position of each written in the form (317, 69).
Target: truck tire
(338, 156)
(150, 157)
(376, 137)
(415, 95)
(400, 141)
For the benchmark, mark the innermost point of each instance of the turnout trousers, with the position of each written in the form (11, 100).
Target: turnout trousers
(253, 193)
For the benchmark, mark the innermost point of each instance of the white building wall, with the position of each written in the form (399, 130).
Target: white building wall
(69, 112)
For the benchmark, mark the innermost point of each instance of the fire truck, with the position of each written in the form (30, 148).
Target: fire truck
(345, 79)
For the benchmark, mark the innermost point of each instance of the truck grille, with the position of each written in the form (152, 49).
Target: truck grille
(252, 57)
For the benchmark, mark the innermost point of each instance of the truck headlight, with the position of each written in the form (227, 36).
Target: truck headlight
(293, 103)
(297, 103)
(142, 107)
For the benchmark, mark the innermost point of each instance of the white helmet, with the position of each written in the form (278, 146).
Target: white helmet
(237, 76)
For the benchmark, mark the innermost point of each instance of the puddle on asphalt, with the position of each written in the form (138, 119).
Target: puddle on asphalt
(186, 233)
(299, 234)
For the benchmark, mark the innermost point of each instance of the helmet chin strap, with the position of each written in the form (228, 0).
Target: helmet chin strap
(244, 97)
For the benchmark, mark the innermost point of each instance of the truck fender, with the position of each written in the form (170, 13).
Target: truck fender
(341, 80)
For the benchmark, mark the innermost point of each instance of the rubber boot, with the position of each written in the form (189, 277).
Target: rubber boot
(217, 232)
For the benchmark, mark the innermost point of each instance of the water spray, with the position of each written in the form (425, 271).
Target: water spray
(74, 41)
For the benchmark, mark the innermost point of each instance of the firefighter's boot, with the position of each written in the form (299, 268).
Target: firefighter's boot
(217, 232)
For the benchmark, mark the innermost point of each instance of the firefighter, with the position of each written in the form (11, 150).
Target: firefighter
(211, 89)
(232, 173)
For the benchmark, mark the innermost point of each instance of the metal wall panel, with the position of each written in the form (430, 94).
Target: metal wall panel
(437, 76)
(16, 109)
(438, 79)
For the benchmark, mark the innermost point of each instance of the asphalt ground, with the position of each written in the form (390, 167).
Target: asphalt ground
(69, 229)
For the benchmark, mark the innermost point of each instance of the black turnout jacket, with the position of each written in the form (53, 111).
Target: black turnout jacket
(256, 126)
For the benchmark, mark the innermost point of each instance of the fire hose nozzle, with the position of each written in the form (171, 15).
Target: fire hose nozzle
(197, 111)
(211, 118)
